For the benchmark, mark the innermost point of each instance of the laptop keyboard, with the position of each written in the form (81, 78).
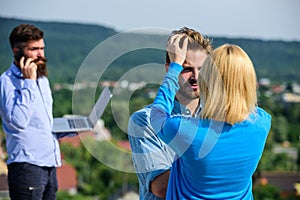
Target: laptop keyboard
(77, 123)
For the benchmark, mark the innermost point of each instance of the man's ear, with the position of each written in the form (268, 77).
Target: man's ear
(15, 50)
(167, 66)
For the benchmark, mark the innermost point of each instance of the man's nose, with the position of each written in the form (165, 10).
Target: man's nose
(40, 53)
(196, 73)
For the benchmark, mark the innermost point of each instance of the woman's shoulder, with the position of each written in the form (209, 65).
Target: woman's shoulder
(261, 118)
(262, 113)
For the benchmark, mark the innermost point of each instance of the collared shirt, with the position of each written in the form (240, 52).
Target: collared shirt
(150, 155)
(26, 111)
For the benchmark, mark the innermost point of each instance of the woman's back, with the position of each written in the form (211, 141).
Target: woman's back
(220, 160)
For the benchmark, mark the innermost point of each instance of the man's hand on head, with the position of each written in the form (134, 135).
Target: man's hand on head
(176, 53)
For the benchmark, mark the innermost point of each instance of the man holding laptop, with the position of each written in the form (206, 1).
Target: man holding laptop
(26, 112)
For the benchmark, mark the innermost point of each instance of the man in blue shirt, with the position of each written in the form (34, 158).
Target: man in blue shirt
(152, 158)
(26, 111)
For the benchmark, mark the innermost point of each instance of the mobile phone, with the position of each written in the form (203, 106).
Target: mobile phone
(19, 54)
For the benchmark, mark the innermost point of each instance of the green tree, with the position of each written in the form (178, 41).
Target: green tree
(266, 192)
(62, 102)
(95, 178)
(279, 127)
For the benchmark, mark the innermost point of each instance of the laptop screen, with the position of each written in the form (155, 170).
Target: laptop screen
(100, 105)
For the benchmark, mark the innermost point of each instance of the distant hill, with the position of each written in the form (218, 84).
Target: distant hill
(68, 44)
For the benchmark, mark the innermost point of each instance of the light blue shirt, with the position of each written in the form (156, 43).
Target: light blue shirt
(216, 160)
(150, 155)
(26, 112)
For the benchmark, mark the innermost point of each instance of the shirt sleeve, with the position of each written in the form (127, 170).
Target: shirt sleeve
(163, 104)
(17, 101)
(150, 155)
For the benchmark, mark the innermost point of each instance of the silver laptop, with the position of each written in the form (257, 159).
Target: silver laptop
(83, 123)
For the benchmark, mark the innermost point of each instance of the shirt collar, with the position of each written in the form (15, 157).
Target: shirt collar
(16, 70)
(183, 110)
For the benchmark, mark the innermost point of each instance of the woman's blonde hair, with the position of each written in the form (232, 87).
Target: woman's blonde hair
(227, 83)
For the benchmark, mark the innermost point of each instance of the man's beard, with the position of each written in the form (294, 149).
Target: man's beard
(41, 67)
(186, 91)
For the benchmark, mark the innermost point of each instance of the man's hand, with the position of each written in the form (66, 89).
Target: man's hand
(28, 68)
(177, 54)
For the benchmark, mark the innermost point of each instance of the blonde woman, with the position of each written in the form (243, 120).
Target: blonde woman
(218, 152)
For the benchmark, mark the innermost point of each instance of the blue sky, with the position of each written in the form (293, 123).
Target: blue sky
(261, 19)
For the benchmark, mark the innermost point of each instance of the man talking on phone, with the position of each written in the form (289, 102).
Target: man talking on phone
(26, 112)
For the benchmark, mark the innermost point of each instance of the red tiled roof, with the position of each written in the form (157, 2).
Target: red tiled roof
(3, 182)
(75, 141)
(67, 177)
(124, 145)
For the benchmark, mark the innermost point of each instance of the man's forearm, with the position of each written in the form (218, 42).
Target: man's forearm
(160, 184)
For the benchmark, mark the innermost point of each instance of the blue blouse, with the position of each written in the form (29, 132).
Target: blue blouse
(216, 160)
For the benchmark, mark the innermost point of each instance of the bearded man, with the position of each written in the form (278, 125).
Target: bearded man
(26, 112)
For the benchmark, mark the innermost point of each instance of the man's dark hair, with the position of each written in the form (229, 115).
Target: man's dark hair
(23, 33)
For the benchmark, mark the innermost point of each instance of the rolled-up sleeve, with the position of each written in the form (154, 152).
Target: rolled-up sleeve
(150, 155)
(148, 151)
